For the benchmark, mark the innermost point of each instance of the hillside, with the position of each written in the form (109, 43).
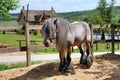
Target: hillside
(82, 14)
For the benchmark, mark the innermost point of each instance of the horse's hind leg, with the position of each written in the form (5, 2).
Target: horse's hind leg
(83, 56)
(89, 59)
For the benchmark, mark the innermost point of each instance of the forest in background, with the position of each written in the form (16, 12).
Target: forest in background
(87, 15)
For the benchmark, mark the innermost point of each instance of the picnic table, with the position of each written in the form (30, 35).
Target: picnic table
(31, 41)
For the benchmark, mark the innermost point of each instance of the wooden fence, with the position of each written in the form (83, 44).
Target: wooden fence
(28, 48)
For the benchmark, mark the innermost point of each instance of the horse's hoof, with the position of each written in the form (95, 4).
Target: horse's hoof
(60, 69)
(89, 61)
(69, 69)
(68, 72)
(72, 71)
(83, 60)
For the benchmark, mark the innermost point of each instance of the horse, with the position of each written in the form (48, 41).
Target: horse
(67, 35)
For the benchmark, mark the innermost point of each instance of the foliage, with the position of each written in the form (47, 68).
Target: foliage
(6, 6)
(93, 18)
(19, 32)
(89, 15)
(103, 36)
(74, 15)
(75, 19)
(35, 32)
(119, 21)
(115, 21)
(110, 11)
(4, 32)
(102, 8)
(106, 10)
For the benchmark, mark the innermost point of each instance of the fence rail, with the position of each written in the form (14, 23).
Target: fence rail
(23, 48)
(12, 27)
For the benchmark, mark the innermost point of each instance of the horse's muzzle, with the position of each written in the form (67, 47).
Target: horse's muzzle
(46, 43)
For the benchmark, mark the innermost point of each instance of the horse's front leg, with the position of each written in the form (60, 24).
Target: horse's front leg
(65, 63)
(69, 63)
(61, 65)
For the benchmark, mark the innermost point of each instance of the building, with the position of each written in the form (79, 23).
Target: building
(35, 17)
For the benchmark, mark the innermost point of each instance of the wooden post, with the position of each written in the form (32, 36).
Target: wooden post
(96, 45)
(118, 37)
(20, 44)
(112, 37)
(28, 57)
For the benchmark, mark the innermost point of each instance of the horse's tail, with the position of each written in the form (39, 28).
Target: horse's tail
(88, 36)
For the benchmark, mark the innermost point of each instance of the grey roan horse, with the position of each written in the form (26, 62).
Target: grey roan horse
(67, 35)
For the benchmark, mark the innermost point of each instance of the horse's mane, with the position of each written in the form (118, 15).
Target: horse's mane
(63, 27)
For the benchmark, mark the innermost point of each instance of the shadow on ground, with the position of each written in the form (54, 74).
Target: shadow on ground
(40, 72)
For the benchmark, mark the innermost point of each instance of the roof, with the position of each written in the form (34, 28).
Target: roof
(34, 15)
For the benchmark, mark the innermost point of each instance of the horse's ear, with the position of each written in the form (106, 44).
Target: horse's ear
(55, 21)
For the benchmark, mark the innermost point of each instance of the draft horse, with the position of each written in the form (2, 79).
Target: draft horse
(67, 35)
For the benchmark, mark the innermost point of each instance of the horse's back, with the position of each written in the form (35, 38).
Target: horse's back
(82, 28)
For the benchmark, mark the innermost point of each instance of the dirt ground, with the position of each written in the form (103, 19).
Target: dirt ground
(105, 67)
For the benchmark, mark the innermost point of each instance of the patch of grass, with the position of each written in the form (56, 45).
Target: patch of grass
(11, 66)
(10, 39)
(8, 23)
(102, 47)
(6, 66)
(3, 67)
(49, 50)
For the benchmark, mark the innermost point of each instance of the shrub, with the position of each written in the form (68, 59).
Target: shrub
(4, 32)
(35, 32)
(103, 36)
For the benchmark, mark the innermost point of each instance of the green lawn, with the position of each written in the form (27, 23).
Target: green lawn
(8, 23)
(102, 47)
(10, 39)
(6, 66)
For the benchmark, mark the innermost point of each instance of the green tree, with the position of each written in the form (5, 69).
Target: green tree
(7, 5)
(75, 19)
(94, 18)
(106, 10)
(102, 5)
(119, 21)
(110, 11)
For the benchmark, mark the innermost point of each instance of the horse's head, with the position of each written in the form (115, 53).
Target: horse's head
(49, 31)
